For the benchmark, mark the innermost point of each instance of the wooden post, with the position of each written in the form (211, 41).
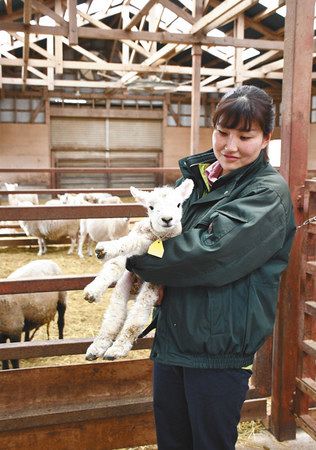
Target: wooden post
(196, 87)
(296, 95)
(196, 99)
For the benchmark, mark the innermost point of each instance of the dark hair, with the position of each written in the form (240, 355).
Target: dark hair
(244, 105)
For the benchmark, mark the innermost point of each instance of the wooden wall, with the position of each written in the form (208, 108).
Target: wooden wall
(28, 145)
(24, 145)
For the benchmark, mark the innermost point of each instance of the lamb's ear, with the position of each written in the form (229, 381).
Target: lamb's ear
(139, 195)
(185, 189)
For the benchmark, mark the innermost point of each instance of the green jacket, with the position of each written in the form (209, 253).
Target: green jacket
(221, 275)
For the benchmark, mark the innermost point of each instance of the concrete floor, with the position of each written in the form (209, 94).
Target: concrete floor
(265, 441)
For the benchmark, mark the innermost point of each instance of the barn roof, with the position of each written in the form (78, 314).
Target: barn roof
(140, 46)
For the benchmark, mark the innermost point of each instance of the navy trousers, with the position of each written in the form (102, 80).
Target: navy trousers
(198, 409)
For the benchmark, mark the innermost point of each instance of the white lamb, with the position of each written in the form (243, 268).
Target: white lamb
(119, 329)
(14, 199)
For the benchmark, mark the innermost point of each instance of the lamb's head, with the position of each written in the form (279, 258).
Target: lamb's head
(164, 207)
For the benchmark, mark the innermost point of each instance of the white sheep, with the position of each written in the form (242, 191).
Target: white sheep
(96, 230)
(26, 312)
(51, 229)
(14, 199)
(120, 328)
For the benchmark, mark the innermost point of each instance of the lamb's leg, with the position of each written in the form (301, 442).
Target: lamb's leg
(136, 321)
(41, 247)
(90, 245)
(132, 244)
(73, 241)
(82, 238)
(111, 271)
(113, 318)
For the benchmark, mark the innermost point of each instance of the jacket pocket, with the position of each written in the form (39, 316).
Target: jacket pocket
(228, 318)
(260, 315)
(221, 222)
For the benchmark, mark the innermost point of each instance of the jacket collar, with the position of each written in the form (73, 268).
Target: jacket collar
(189, 168)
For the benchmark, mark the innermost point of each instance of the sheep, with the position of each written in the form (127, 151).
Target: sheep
(51, 229)
(102, 229)
(26, 312)
(96, 229)
(119, 329)
(14, 199)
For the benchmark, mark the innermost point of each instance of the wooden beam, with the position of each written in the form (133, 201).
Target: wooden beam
(26, 48)
(239, 31)
(221, 14)
(230, 15)
(58, 42)
(46, 11)
(8, 6)
(196, 85)
(163, 37)
(73, 29)
(296, 97)
(177, 10)
(269, 10)
(137, 17)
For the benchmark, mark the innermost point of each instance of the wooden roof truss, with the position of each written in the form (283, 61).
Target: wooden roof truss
(110, 45)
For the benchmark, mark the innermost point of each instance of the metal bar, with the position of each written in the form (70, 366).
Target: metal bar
(296, 97)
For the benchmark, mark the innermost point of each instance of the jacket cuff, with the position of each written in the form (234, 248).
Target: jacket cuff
(130, 264)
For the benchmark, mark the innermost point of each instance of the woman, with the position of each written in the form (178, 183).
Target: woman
(220, 278)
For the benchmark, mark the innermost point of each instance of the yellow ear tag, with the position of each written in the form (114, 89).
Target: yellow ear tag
(156, 249)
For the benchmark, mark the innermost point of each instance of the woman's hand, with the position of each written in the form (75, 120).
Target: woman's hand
(160, 295)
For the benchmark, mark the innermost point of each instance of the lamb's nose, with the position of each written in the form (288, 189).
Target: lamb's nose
(167, 220)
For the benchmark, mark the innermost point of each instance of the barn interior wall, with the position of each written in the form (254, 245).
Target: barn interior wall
(28, 145)
(24, 146)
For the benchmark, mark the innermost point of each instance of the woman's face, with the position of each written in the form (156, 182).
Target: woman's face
(235, 148)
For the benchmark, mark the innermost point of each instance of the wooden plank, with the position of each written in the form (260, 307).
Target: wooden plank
(310, 308)
(39, 349)
(53, 284)
(307, 424)
(311, 267)
(309, 346)
(163, 37)
(60, 386)
(106, 434)
(254, 409)
(70, 212)
(72, 413)
(308, 386)
(73, 29)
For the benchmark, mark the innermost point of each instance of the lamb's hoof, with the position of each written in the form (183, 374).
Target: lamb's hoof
(109, 358)
(100, 253)
(90, 297)
(91, 357)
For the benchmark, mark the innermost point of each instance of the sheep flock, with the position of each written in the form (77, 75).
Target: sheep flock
(80, 323)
